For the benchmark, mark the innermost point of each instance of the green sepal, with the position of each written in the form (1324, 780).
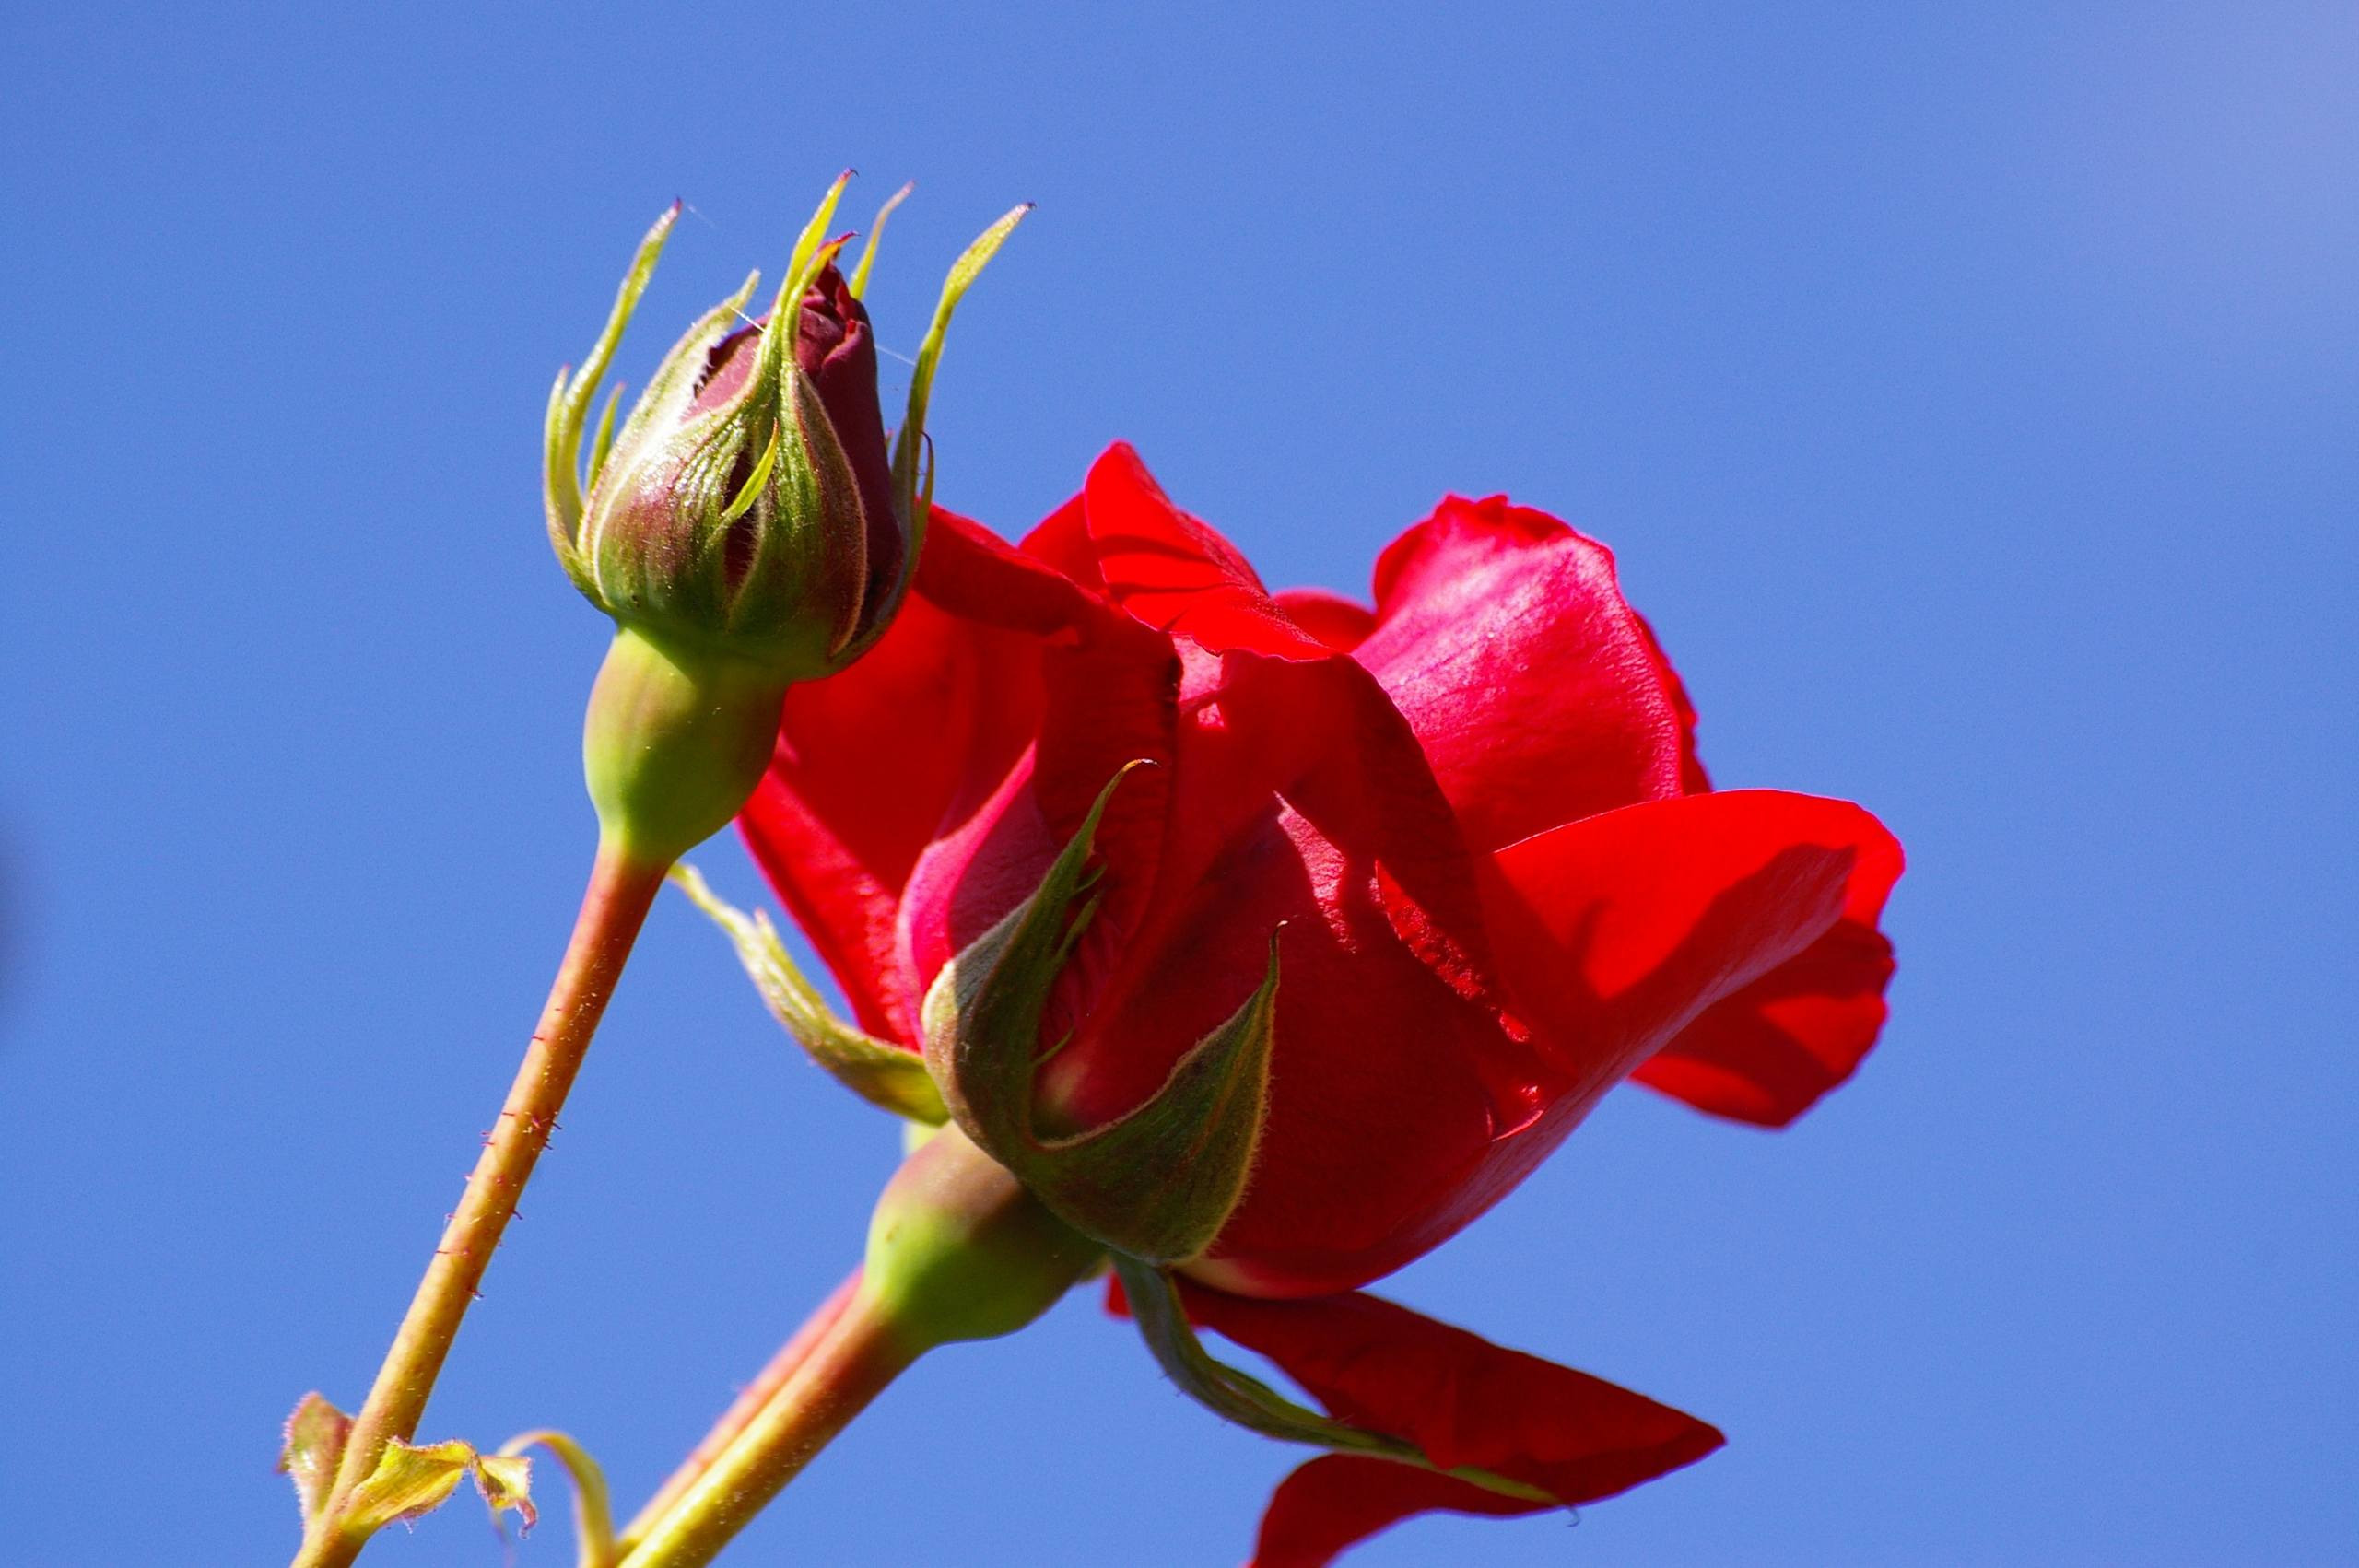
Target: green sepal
(1160, 1181)
(818, 536)
(313, 1447)
(570, 400)
(911, 494)
(1167, 1176)
(602, 443)
(803, 264)
(883, 1074)
(1249, 1402)
(859, 281)
(593, 1513)
(654, 422)
(755, 481)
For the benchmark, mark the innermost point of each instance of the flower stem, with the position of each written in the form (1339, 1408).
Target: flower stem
(740, 1415)
(957, 1249)
(622, 888)
(855, 1358)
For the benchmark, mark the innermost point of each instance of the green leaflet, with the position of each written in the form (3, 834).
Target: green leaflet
(410, 1481)
(314, 1447)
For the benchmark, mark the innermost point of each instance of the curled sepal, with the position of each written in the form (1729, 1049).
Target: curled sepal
(312, 1448)
(883, 1074)
(593, 1513)
(1156, 1183)
(910, 437)
(875, 235)
(1153, 1300)
(570, 400)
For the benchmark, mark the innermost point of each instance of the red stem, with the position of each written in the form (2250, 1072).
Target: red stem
(740, 1415)
(621, 891)
(856, 1358)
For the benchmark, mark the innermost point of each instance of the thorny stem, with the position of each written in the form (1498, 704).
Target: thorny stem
(622, 888)
(856, 1358)
(740, 1415)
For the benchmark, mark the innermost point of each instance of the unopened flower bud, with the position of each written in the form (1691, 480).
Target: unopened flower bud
(748, 504)
(749, 527)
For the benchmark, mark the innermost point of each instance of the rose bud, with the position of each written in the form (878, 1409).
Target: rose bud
(749, 501)
(1410, 888)
(748, 528)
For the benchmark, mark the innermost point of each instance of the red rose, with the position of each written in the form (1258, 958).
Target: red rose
(1500, 882)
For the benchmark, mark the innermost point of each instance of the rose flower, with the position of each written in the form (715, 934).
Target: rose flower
(1499, 883)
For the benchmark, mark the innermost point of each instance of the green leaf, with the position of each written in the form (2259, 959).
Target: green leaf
(313, 1447)
(408, 1482)
(876, 1070)
(1251, 1403)
(593, 1516)
(506, 1482)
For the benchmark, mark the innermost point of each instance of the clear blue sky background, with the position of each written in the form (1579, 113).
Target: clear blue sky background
(1969, 391)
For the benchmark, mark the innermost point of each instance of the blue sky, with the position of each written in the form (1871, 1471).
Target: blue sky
(1969, 395)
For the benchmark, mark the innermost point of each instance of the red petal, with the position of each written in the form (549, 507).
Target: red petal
(870, 764)
(1320, 731)
(1174, 573)
(1342, 624)
(1466, 1402)
(1535, 690)
(1615, 933)
(1766, 1053)
(972, 572)
(1334, 1503)
(1386, 1086)
(1108, 690)
(1692, 776)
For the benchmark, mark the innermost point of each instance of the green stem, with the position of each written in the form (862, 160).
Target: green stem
(782, 1369)
(856, 1359)
(622, 887)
